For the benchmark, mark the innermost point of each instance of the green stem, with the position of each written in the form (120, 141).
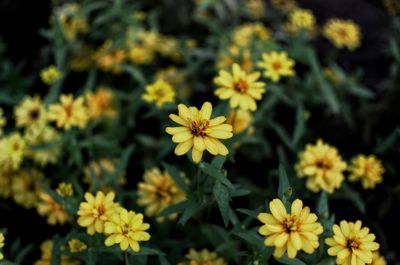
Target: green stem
(126, 258)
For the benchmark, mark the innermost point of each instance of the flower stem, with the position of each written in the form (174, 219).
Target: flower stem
(126, 258)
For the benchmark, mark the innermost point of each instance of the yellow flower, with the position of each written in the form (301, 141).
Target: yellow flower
(96, 211)
(45, 259)
(100, 169)
(157, 192)
(82, 58)
(49, 207)
(240, 120)
(368, 169)
(343, 33)
(140, 55)
(290, 232)
(322, 165)
(25, 188)
(351, 244)
(6, 177)
(72, 21)
(109, 59)
(203, 257)
(199, 132)
(76, 246)
(3, 121)
(255, 8)
(65, 189)
(1, 245)
(12, 150)
(50, 75)
(177, 79)
(100, 103)
(68, 112)
(29, 112)
(377, 259)
(160, 93)
(284, 5)
(302, 19)
(276, 65)
(242, 88)
(126, 229)
(244, 34)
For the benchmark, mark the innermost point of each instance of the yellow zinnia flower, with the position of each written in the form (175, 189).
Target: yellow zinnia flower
(100, 103)
(68, 112)
(25, 187)
(12, 150)
(199, 132)
(50, 75)
(240, 120)
(100, 169)
(203, 257)
(96, 211)
(76, 246)
(351, 244)
(157, 192)
(30, 111)
(49, 207)
(343, 33)
(302, 19)
(290, 232)
(65, 189)
(1, 245)
(242, 88)
(47, 250)
(126, 229)
(368, 169)
(377, 259)
(159, 92)
(244, 34)
(322, 165)
(276, 65)
(72, 21)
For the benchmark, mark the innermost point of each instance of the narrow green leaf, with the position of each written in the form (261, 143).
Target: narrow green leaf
(222, 196)
(176, 208)
(189, 212)
(284, 189)
(177, 177)
(299, 128)
(216, 173)
(286, 260)
(388, 142)
(322, 205)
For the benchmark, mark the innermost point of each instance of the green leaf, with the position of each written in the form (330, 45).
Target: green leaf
(176, 208)
(286, 260)
(55, 251)
(222, 196)
(322, 205)
(251, 238)
(298, 131)
(218, 161)
(348, 193)
(216, 173)
(145, 251)
(284, 189)
(361, 91)
(327, 261)
(177, 177)
(248, 212)
(189, 212)
(388, 142)
(135, 73)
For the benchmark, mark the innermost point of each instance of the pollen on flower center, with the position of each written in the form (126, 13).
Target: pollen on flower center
(34, 114)
(68, 110)
(276, 66)
(198, 128)
(323, 164)
(353, 243)
(101, 209)
(290, 224)
(125, 229)
(241, 86)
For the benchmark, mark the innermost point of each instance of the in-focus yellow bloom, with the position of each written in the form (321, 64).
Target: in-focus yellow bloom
(343, 33)
(240, 120)
(49, 207)
(126, 229)
(68, 112)
(290, 232)
(96, 211)
(1, 245)
(26, 187)
(65, 189)
(302, 19)
(368, 169)
(50, 74)
(241, 88)
(377, 259)
(351, 244)
(323, 167)
(76, 246)
(199, 132)
(203, 257)
(276, 65)
(12, 150)
(45, 259)
(3, 121)
(157, 192)
(160, 93)
(29, 112)
(100, 103)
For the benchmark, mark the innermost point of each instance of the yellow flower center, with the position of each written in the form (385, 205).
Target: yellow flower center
(290, 224)
(198, 128)
(159, 93)
(323, 164)
(101, 210)
(342, 33)
(241, 86)
(353, 243)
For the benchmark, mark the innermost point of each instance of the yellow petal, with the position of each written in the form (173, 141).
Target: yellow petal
(196, 155)
(183, 148)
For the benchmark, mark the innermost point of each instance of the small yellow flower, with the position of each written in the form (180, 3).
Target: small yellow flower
(72, 21)
(160, 93)
(351, 244)
(368, 169)
(45, 259)
(199, 132)
(65, 189)
(244, 34)
(109, 59)
(243, 89)
(126, 229)
(255, 8)
(96, 211)
(25, 188)
(100, 103)
(377, 259)
(29, 112)
(3, 121)
(177, 79)
(157, 192)
(76, 246)
(323, 167)
(302, 19)
(240, 120)
(140, 55)
(290, 232)
(68, 112)
(50, 75)
(12, 150)
(343, 33)
(1, 245)
(100, 170)
(284, 5)
(203, 257)
(276, 65)
(49, 207)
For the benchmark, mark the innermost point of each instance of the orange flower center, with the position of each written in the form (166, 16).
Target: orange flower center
(342, 33)
(101, 209)
(241, 86)
(198, 128)
(290, 224)
(353, 243)
(323, 164)
(68, 110)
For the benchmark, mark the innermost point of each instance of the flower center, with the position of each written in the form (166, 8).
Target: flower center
(159, 93)
(241, 86)
(34, 114)
(276, 66)
(101, 209)
(68, 110)
(125, 229)
(323, 164)
(353, 243)
(198, 128)
(290, 224)
(342, 33)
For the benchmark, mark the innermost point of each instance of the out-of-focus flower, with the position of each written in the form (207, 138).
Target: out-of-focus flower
(140, 55)
(82, 58)
(290, 232)
(126, 229)
(244, 34)
(276, 65)
(203, 257)
(69, 112)
(241, 88)
(160, 93)
(343, 33)
(367, 169)
(109, 58)
(323, 167)
(284, 5)
(198, 132)
(6, 176)
(30, 111)
(50, 74)
(235, 54)
(351, 243)
(54, 212)
(377, 259)
(392, 6)
(45, 259)
(3, 121)
(100, 103)
(1, 245)
(76, 246)
(255, 8)
(177, 79)
(65, 189)
(240, 120)
(157, 192)
(99, 170)
(302, 19)
(25, 187)
(72, 21)
(12, 150)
